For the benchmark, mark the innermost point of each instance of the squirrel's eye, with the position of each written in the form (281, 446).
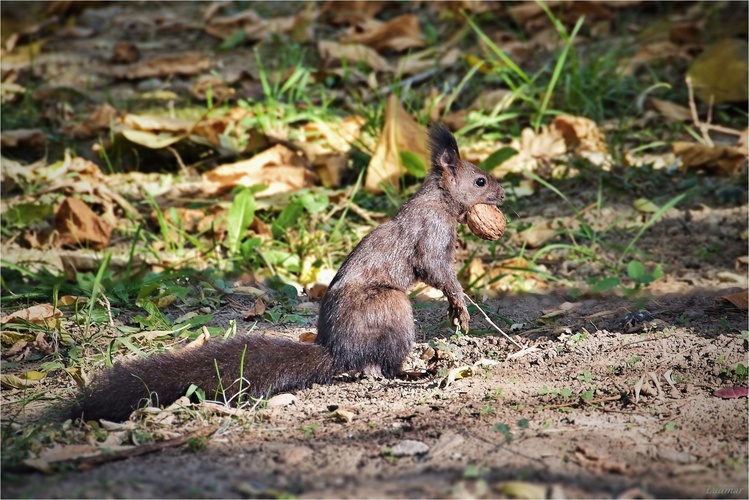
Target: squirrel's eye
(481, 182)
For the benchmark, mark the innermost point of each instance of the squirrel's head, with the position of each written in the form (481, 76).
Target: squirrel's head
(465, 184)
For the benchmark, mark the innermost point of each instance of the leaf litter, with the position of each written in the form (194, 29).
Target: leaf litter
(685, 349)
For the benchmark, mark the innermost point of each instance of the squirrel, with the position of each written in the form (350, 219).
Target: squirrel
(365, 322)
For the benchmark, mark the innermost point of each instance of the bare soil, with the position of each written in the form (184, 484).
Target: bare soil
(526, 418)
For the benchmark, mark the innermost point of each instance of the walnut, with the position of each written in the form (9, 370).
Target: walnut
(486, 221)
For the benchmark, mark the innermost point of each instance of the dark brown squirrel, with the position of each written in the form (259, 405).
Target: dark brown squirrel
(365, 324)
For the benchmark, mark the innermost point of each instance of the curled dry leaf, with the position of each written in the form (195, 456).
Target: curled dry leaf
(77, 225)
(718, 159)
(257, 309)
(580, 134)
(739, 299)
(399, 34)
(280, 168)
(353, 53)
(671, 111)
(400, 133)
(486, 221)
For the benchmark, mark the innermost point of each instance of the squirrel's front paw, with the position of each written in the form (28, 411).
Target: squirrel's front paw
(460, 317)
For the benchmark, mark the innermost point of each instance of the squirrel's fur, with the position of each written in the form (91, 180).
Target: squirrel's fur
(365, 322)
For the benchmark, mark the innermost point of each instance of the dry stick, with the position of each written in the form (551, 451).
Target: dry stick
(91, 461)
(706, 127)
(486, 317)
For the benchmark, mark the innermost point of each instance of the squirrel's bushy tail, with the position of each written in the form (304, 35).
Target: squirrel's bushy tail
(257, 366)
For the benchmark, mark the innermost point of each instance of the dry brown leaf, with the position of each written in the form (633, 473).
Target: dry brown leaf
(652, 53)
(224, 27)
(257, 309)
(580, 134)
(399, 34)
(280, 168)
(418, 62)
(28, 138)
(99, 120)
(400, 133)
(125, 53)
(163, 131)
(256, 28)
(187, 63)
(77, 225)
(719, 159)
(60, 453)
(41, 314)
(353, 53)
(739, 299)
(351, 11)
(535, 236)
(671, 111)
(534, 149)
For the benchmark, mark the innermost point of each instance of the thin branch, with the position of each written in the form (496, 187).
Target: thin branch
(486, 317)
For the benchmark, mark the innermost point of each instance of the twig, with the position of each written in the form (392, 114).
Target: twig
(486, 317)
(106, 456)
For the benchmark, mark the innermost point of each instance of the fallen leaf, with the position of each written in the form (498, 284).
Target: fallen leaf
(187, 63)
(400, 133)
(21, 381)
(333, 52)
(719, 72)
(125, 52)
(26, 138)
(650, 54)
(398, 34)
(99, 120)
(580, 134)
(733, 392)
(257, 309)
(419, 62)
(723, 160)
(151, 140)
(351, 11)
(671, 111)
(77, 225)
(341, 415)
(42, 314)
(456, 374)
(739, 299)
(645, 206)
(280, 168)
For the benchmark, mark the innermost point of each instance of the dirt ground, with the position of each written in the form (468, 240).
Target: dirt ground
(613, 398)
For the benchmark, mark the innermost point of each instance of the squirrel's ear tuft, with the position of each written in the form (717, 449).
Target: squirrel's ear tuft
(444, 149)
